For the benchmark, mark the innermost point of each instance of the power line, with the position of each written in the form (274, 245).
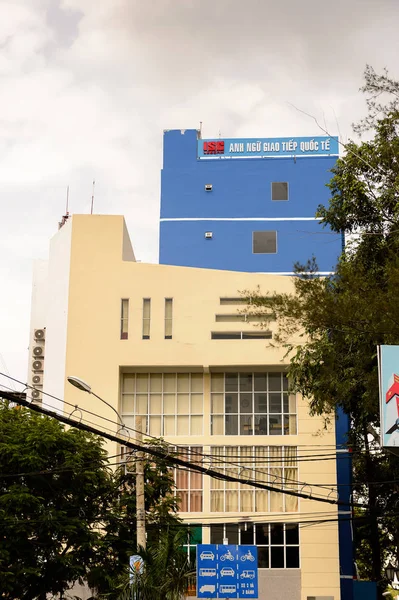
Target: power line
(173, 460)
(229, 465)
(76, 407)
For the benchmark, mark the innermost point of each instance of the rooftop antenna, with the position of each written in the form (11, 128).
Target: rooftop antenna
(200, 130)
(220, 134)
(65, 217)
(92, 197)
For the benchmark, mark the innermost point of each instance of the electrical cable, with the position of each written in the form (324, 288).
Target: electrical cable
(240, 521)
(183, 448)
(284, 480)
(228, 465)
(174, 460)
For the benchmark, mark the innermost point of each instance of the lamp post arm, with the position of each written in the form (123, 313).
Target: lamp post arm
(111, 407)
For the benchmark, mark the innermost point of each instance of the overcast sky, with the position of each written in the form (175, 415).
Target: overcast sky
(87, 87)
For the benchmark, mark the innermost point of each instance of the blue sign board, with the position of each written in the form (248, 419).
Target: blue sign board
(226, 571)
(389, 395)
(264, 147)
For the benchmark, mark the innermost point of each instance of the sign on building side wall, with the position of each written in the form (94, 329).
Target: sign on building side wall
(264, 147)
(389, 395)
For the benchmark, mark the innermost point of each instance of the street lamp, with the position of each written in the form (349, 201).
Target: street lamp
(391, 572)
(140, 498)
(85, 387)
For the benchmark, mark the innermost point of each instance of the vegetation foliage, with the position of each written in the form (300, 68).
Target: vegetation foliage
(331, 327)
(66, 515)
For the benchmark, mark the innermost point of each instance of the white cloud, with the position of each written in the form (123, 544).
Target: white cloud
(88, 87)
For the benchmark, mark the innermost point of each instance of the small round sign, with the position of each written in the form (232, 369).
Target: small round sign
(136, 565)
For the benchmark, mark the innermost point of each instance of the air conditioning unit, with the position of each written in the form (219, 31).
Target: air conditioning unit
(38, 351)
(36, 394)
(37, 380)
(40, 334)
(208, 187)
(37, 365)
(208, 235)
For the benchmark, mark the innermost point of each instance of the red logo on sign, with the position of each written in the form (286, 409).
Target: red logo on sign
(214, 147)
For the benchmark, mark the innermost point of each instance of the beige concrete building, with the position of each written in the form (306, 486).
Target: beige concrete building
(170, 344)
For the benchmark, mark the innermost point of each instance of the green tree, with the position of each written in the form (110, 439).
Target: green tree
(167, 572)
(65, 515)
(118, 542)
(337, 322)
(54, 490)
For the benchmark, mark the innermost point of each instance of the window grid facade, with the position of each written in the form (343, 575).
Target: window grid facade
(146, 318)
(277, 543)
(124, 318)
(252, 404)
(273, 465)
(170, 403)
(189, 484)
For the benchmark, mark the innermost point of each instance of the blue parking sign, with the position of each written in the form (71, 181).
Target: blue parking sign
(227, 571)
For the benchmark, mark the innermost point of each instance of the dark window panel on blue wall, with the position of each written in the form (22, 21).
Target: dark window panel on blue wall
(264, 242)
(279, 190)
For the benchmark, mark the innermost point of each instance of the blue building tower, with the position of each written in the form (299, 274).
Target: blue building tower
(227, 205)
(249, 205)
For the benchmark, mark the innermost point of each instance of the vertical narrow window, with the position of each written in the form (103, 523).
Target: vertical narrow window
(168, 318)
(146, 318)
(124, 318)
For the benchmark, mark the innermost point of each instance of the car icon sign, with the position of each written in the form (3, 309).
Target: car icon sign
(207, 555)
(227, 571)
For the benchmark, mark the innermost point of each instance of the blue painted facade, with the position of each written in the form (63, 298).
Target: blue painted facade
(239, 204)
(344, 481)
(365, 590)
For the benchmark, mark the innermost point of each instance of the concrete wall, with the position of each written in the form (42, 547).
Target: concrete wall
(57, 314)
(98, 279)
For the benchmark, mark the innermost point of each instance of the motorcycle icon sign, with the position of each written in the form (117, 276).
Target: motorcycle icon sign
(227, 556)
(248, 556)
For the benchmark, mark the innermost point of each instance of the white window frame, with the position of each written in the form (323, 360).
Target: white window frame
(191, 414)
(269, 545)
(253, 469)
(192, 455)
(284, 415)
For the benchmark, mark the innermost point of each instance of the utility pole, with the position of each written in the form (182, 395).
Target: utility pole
(140, 498)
